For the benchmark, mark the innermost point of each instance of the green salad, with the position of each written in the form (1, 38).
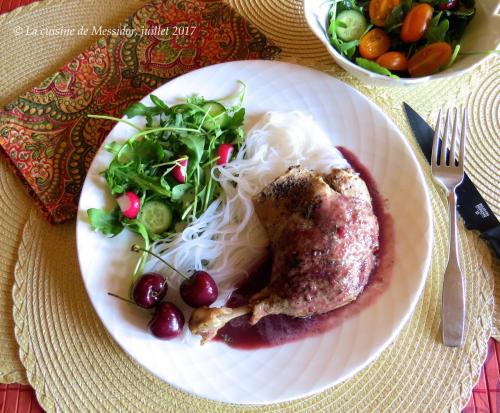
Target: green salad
(399, 38)
(161, 176)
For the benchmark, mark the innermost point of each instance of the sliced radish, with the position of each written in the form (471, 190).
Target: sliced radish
(130, 204)
(179, 172)
(224, 152)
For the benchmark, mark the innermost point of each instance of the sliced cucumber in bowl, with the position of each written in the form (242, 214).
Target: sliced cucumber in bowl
(351, 25)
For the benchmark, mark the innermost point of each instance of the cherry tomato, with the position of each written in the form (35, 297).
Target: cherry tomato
(448, 5)
(416, 22)
(396, 61)
(429, 59)
(374, 44)
(379, 10)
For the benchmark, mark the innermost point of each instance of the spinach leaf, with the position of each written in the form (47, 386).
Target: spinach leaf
(436, 32)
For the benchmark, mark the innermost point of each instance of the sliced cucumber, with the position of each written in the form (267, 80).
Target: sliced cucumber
(156, 216)
(352, 25)
(217, 116)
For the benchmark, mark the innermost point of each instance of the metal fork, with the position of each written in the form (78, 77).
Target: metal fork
(448, 171)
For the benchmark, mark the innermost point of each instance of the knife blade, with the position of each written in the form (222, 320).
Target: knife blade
(472, 207)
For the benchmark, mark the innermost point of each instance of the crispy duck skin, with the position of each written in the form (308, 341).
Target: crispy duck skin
(324, 237)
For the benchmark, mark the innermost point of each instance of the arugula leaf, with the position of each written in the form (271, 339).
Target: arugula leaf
(113, 147)
(147, 151)
(349, 48)
(158, 102)
(374, 67)
(238, 117)
(139, 228)
(195, 144)
(136, 109)
(106, 222)
(178, 191)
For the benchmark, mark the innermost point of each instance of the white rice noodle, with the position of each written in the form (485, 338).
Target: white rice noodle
(228, 239)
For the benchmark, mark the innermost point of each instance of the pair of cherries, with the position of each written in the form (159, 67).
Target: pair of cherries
(151, 288)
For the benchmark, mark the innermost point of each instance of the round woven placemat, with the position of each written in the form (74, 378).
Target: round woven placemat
(14, 210)
(74, 365)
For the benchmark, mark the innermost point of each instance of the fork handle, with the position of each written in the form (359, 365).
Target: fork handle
(453, 311)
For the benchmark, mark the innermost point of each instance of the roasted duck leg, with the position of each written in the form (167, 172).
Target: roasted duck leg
(324, 238)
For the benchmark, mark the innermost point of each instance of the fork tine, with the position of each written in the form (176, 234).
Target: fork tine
(436, 141)
(444, 139)
(463, 140)
(453, 145)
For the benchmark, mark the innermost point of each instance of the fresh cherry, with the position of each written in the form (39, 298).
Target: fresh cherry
(198, 290)
(167, 321)
(448, 5)
(149, 290)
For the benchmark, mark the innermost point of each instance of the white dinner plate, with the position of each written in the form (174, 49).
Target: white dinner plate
(301, 368)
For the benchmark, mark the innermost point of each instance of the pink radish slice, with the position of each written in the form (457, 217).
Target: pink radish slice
(224, 152)
(130, 204)
(179, 172)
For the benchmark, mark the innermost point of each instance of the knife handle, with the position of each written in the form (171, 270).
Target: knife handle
(493, 237)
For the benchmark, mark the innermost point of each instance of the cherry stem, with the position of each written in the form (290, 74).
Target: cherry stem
(137, 248)
(121, 298)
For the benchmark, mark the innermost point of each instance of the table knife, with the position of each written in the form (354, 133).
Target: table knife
(472, 207)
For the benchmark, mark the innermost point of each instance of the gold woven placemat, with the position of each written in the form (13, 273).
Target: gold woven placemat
(74, 365)
(14, 210)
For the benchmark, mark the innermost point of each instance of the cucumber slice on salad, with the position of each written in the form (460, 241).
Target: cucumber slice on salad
(218, 115)
(156, 216)
(352, 25)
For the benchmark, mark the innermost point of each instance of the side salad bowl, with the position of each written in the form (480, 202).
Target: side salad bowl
(481, 40)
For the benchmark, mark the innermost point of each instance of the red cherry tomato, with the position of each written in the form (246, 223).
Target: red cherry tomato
(416, 22)
(429, 59)
(395, 61)
(379, 10)
(448, 5)
(374, 44)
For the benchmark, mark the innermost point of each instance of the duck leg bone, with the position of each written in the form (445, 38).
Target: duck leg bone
(207, 321)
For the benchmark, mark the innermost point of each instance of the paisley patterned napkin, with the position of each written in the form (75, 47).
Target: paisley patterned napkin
(46, 133)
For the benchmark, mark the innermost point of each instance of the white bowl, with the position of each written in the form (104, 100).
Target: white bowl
(482, 34)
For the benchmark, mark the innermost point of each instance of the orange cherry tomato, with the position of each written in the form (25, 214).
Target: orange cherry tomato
(416, 22)
(396, 61)
(374, 44)
(429, 59)
(379, 10)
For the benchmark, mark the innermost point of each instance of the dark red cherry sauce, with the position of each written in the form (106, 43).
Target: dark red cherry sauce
(274, 330)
